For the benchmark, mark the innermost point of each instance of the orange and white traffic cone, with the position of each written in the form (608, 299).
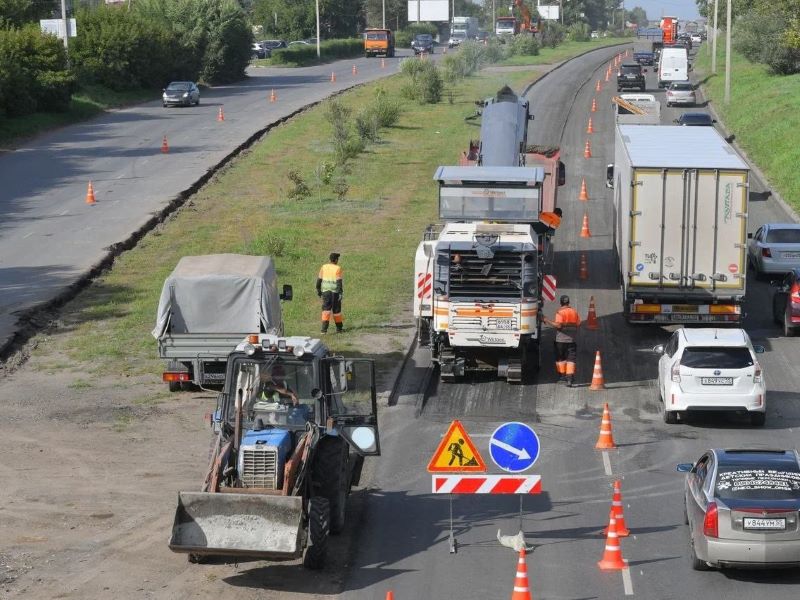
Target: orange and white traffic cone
(390, 595)
(355, 70)
(591, 319)
(597, 86)
(585, 233)
(616, 508)
(522, 590)
(333, 77)
(273, 97)
(90, 195)
(164, 146)
(220, 115)
(608, 74)
(383, 63)
(594, 104)
(583, 270)
(605, 441)
(612, 556)
(598, 383)
(590, 126)
(584, 195)
(444, 50)
(587, 150)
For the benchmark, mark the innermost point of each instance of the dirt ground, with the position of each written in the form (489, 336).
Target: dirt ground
(91, 470)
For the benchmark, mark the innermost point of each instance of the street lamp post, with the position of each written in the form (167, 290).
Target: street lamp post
(728, 55)
(383, 6)
(714, 42)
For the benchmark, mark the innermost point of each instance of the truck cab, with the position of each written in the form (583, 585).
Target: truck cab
(378, 42)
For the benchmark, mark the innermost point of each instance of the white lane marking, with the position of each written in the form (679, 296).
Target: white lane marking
(627, 584)
(27, 235)
(607, 463)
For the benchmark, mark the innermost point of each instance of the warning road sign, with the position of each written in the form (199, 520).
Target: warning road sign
(456, 453)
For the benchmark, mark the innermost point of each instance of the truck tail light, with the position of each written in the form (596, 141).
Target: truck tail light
(794, 293)
(757, 377)
(181, 376)
(766, 252)
(676, 374)
(711, 521)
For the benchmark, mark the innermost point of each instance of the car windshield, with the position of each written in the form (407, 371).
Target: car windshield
(783, 236)
(179, 86)
(682, 87)
(716, 357)
(459, 34)
(376, 35)
(745, 482)
(277, 391)
(424, 37)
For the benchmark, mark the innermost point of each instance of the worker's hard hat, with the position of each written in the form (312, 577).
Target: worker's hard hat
(564, 300)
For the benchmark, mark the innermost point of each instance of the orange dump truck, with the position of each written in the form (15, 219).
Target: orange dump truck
(378, 41)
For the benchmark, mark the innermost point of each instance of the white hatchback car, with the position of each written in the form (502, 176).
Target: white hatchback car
(711, 369)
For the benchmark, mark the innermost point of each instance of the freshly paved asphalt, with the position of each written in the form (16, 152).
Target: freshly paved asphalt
(404, 533)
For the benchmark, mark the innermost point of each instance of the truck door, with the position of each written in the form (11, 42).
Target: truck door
(352, 402)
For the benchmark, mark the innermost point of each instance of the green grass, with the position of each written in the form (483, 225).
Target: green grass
(376, 228)
(561, 52)
(763, 114)
(86, 103)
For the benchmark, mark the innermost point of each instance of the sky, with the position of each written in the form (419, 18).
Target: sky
(683, 9)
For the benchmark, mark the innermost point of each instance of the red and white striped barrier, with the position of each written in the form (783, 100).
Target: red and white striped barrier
(424, 285)
(486, 484)
(549, 286)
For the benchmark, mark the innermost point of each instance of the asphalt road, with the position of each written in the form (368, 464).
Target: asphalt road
(50, 237)
(404, 532)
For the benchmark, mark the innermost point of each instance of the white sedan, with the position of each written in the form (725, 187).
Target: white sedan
(711, 370)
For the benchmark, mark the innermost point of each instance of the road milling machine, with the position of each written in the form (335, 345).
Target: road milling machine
(293, 425)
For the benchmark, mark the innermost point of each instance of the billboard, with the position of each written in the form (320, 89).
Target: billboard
(549, 12)
(58, 27)
(429, 10)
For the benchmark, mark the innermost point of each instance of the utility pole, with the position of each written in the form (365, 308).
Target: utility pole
(728, 55)
(714, 42)
(66, 23)
(317, 8)
(383, 4)
(419, 5)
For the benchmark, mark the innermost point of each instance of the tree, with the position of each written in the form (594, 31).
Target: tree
(638, 16)
(19, 12)
(296, 19)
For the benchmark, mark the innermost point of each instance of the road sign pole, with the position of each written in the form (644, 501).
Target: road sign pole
(453, 547)
(520, 512)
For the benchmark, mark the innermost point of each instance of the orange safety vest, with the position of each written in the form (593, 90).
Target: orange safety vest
(569, 320)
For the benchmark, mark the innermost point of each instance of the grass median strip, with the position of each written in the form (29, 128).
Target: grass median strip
(247, 208)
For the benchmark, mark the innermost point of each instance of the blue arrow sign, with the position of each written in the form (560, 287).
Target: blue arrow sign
(514, 447)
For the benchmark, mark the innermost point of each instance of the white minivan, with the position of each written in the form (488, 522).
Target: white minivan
(673, 66)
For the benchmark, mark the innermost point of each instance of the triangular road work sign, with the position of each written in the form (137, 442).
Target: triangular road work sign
(456, 453)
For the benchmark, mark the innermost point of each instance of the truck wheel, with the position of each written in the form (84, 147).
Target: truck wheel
(331, 477)
(318, 529)
(670, 416)
(174, 386)
(788, 329)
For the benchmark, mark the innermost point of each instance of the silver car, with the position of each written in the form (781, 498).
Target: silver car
(180, 93)
(681, 92)
(774, 248)
(741, 507)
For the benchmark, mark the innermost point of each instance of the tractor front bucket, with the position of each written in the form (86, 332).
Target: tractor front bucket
(257, 525)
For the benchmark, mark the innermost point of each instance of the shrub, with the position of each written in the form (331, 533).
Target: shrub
(552, 34)
(367, 126)
(404, 37)
(330, 49)
(267, 244)
(300, 189)
(579, 32)
(525, 45)
(424, 84)
(345, 144)
(387, 110)
(760, 38)
(453, 68)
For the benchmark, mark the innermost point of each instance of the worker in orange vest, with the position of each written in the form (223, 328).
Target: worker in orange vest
(329, 288)
(566, 324)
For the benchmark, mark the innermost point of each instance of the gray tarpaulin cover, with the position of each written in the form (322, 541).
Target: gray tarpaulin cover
(220, 293)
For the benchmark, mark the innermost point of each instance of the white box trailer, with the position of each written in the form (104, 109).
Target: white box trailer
(680, 224)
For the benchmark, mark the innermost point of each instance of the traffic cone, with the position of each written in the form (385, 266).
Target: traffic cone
(220, 115)
(90, 195)
(616, 509)
(444, 50)
(522, 590)
(608, 74)
(390, 595)
(597, 86)
(585, 233)
(584, 195)
(594, 104)
(273, 97)
(333, 77)
(590, 126)
(612, 556)
(591, 319)
(355, 70)
(583, 271)
(605, 440)
(587, 150)
(164, 146)
(598, 383)
(383, 63)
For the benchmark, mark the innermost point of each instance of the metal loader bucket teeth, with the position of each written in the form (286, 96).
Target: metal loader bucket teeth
(238, 525)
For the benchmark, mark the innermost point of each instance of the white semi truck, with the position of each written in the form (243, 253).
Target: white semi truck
(680, 224)
(478, 279)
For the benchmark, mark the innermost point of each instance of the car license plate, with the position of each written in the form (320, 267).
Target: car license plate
(716, 380)
(504, 323)
(681, 317)
(684, 308)
(791, 255)
(756, 523)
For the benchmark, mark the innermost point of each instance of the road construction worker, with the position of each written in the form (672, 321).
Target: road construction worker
(566, 324)
(329, 288)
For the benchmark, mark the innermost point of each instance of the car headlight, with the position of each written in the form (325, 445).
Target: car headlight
(186, 94)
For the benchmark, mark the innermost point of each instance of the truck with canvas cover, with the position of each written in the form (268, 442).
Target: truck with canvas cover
(208, 305)
(477, 274)
(680, 224)
(292, 427)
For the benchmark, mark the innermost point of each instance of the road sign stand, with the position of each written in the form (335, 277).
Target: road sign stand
(453, 543)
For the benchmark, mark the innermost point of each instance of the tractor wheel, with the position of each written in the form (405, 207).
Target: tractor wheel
(331, 475)
(318, 529)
